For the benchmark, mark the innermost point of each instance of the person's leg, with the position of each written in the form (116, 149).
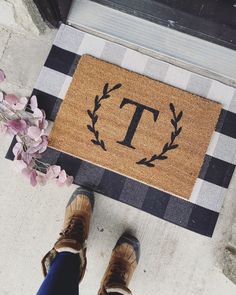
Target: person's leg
(123, 262)
(64, 266)
(63, 276)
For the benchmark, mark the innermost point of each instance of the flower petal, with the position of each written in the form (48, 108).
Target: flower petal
(33, 103)
(21, 104)
(3, 129)
(41, 179)
(26, 172)
(38, 114)
(53, 171)
(69, 180)
(62, 178)
(33, 178)
(2, 76)
(11, 99)
(17, 149)
(1, 96)
(35, 133)
(16, 126)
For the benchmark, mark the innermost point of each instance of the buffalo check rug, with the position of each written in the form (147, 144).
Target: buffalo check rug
(198, 211)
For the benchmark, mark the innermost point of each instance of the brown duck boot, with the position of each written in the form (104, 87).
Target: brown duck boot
(123, 262)
(75, 230)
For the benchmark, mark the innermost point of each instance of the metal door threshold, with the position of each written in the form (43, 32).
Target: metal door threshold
(189, 52)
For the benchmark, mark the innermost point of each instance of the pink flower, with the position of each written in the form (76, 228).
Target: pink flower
(17, 149)
(70, 180)
(61, 178)
(33, 178)
(3, 129)
(11, 99)
(1, 96)
(16, 126)
(64, 179)
(41, 179)
(2, 76)
(27, 158)
(35, 133)
(39, 146)
(33, 102)
(53, 171)
(16, 103)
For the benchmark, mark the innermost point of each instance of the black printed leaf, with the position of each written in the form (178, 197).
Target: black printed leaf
(149, 164)
(162, 157)
(95, 118)
(172, 136)
(165, 148)
(97, 106)
(95, 141)
(172, 108)
(154, 157)
(173, 122)
(105, 88)
(178, 131)
(169, 145)
(96, 99)
(142, 161)
(90, 128)
(117, 86)
(102, 144)
(174, 146)
(179, 116)
(90, 114)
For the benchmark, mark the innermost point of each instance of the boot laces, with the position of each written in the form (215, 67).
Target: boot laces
(74, 230)
(118, 272)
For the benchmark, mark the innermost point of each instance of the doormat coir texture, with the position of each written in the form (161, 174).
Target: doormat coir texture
(198, 213)
(128, 123)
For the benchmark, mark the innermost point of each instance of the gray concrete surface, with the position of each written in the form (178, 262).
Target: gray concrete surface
(174, 261)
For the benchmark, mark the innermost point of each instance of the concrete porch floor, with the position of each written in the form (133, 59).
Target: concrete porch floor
(173, 261)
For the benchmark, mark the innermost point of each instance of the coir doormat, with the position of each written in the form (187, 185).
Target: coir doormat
(199, 213)
(141, 128)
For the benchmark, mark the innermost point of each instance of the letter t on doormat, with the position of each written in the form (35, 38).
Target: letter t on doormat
(135, 126)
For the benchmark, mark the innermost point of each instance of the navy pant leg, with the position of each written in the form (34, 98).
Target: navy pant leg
(63, 276)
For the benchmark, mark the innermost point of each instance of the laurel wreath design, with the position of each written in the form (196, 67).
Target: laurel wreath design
(169, 145)
(94, 117)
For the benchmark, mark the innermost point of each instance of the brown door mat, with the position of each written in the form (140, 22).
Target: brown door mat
(136, 126)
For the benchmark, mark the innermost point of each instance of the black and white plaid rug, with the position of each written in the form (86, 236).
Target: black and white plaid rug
(200, 212)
